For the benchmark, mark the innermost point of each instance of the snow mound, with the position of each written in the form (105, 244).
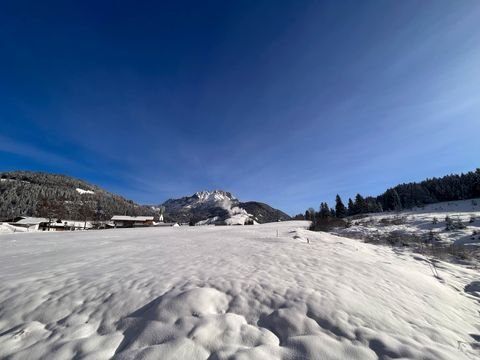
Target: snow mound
(195, 302)
(191, 325)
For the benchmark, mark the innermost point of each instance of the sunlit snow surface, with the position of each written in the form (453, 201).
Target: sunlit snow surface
(229, 293)
(420, 222)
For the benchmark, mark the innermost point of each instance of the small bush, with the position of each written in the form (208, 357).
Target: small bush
(397, 220)
(327, 224)
(248, 221)
(453, 225)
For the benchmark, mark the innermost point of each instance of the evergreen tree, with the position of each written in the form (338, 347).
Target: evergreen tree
(351, 207)
(372, 205)
(392, 200)
(324, 210)
(299, 217)
(359, 206)
(340, 209)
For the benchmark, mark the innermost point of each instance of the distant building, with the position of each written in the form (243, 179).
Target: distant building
(132, 221)
(30, 223)
(42, 224)
(65, 225)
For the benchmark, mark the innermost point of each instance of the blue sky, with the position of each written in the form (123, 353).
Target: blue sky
(286, 102)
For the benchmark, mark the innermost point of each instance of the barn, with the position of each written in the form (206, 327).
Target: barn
(123, 221)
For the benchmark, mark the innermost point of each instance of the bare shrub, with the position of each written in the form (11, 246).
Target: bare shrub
(397, 220)
(328, 224)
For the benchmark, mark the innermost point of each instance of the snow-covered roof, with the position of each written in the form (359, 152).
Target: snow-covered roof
(132, 218)
(31, 221)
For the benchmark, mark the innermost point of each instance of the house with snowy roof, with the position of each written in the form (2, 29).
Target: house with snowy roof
(123, 221)
(30, 223)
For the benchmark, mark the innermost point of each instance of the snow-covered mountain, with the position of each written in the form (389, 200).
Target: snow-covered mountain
(219, 207)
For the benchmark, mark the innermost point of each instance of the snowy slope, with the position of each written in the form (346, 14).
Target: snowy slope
(421, 221)
(229, 292)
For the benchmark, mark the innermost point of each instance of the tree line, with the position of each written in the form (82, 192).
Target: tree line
(403, 196)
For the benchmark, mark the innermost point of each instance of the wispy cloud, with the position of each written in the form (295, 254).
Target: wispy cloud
(34, 152)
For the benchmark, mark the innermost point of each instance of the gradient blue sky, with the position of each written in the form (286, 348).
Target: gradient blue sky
(287, 102)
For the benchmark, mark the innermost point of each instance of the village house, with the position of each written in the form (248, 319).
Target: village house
(30, 223)
(123, 221)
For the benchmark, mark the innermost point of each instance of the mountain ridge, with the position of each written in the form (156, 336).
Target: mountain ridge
(51, 195)
(220, 207)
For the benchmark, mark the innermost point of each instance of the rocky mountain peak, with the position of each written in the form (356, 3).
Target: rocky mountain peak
(214, 196)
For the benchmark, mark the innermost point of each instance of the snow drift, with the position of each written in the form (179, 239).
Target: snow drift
(229, 293)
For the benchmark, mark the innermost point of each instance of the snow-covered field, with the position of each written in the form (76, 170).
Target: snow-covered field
(420, 222)
(235, 292)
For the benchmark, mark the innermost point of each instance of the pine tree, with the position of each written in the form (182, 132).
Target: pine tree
(340, 209)
(351, 207)
(359, 206)
(324, 210)
(392, 200)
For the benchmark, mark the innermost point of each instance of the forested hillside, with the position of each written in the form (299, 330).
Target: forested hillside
(59, 196)
(404, 196)
(447, 188)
